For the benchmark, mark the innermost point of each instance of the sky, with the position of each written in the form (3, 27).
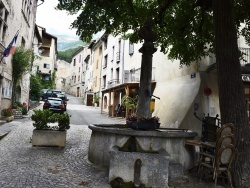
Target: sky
(55, 22)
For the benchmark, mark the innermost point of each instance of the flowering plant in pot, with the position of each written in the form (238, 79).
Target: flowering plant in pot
(8, 114)
(149, 123)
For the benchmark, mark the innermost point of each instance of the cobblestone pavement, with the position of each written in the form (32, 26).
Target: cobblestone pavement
(25, 166)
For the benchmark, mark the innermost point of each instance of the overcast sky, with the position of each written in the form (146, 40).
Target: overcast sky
(55, 22)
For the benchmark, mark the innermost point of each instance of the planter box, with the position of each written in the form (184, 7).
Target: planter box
(144, 125)
(49, 138)
(10, 118)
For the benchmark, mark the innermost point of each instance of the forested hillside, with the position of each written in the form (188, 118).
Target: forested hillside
(67, 54)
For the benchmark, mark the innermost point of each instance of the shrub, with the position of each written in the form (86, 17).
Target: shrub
(24, 110)
(7, 112)
(43, 117)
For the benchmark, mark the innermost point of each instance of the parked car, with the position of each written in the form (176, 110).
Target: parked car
(54, 104)
(63, 96)
(50, 93)
(42, 93)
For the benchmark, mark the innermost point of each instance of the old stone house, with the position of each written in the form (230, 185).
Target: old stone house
(15, 16)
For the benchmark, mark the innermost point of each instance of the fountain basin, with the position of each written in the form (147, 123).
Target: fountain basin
(105, 136)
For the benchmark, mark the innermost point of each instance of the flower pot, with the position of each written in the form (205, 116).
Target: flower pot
(9, 118)
(145, 125)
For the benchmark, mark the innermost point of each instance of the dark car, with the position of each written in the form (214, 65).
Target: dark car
(54, 104)
(42, 93)
(63, 96)
(50, 93)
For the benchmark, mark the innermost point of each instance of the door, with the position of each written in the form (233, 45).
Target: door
(89, 100)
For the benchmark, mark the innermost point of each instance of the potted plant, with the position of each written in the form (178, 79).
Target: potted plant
(50, 128)
(8, 114)
(130, 103)
(149, 123)
(96, 100)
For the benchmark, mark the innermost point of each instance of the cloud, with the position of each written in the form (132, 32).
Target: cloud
(55, 22)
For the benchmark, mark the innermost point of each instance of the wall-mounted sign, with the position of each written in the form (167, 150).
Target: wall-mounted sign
(193, 75)
(245, 77)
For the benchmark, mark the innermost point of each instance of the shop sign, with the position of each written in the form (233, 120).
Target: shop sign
(245, 77)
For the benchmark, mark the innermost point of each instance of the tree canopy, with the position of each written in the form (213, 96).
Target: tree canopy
(183, 28)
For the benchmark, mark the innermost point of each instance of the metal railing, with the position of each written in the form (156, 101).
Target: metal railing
(118, 57)
(245, 56)
(113, 83)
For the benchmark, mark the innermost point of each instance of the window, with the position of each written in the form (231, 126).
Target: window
(47, 77)
(4, 14)
(105, 44)
(96, 81)
(79, 78)
(117, 73)
(45, 65)
(97, 62)
(7, 89)
(104, 81)
(111, 74)
(79, 70)
(23, 42)
(100, 50)
(131, 48)
(105, 61)
(27, 9)
(75, 79)
(74, 63)
(113, 53)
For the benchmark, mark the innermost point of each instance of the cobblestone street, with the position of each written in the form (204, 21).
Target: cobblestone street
(25, 166)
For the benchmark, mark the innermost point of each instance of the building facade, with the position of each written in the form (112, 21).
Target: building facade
(62, 74)
(45, 61)
(16, 16)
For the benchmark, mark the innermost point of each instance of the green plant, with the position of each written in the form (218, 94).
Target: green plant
(96, 99)
(7, 112)
(130, 103)
(21, 64)
(134, 117)
(24, 110)
(42, 118)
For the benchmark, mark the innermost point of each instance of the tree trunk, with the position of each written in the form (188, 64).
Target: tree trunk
(147, 51)
(231, 90)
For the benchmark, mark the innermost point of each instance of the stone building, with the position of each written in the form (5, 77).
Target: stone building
(62, 74)
(45, 62)
(15, 16)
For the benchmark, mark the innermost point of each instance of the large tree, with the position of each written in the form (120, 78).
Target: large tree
(188, 31)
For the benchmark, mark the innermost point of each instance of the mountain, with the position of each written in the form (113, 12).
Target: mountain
(65, 42)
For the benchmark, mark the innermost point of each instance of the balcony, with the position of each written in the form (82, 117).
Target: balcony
(118, 57)
(113, 83)
(245, 55)
(133, 75)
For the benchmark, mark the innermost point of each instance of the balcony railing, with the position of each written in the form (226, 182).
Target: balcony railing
(245, 55)
(118, 57)
(113, 83)
(133, 75)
